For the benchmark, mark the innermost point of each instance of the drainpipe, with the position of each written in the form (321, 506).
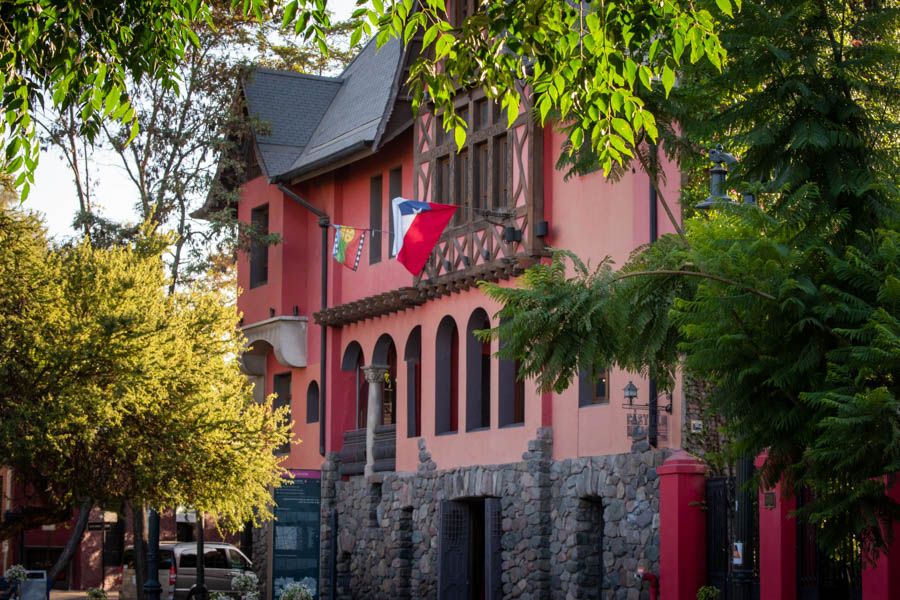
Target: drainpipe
(324, 222)
(653, 419)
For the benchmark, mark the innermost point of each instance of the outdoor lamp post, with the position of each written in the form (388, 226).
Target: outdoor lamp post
(742, 571)
(717, 175)
(152, 587)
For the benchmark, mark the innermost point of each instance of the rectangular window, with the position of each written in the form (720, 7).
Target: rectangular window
(482, 169)
(375, 202)
(440, 136)
(259, 251)
(501, 173)
(462, 188)
(281, 385)
(443, 180)
(481, 113)
(591, 392)
(395, 190)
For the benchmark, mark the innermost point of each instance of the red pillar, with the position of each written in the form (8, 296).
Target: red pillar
(777, 543)
(883, 579)
(682, 526)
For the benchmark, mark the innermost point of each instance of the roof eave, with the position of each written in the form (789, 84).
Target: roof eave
(348, 155)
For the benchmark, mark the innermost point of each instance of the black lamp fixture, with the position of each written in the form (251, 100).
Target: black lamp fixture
(512, 234)
(296, 310)
(631, 394)
(271, 313)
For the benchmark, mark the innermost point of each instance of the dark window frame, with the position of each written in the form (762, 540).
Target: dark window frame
(259, 252)
(395, 190)
(589, 389)
(446, 380)
(278, 380)
(376, 201)
(478, 373)
(312, 402)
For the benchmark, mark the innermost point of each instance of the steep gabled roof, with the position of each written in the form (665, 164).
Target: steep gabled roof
(353, 118)
(287, 107)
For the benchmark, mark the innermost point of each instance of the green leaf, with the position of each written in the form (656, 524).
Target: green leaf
(544, 105)
(576, 138)
(290, 11)
(459, 134)
(725, 7)
(624, 129)
(430, 35)
(668, 79)
(644, 74)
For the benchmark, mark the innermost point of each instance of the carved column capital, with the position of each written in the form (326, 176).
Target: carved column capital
(375, 373)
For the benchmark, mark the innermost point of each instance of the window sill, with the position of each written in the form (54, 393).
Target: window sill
(512, 425)
(594, 404)
(477, 429)
(447, 433)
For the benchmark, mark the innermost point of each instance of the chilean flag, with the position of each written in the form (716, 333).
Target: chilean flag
(417, 228)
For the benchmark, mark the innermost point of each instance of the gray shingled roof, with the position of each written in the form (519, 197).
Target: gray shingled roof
(287, 106)
(357, 109)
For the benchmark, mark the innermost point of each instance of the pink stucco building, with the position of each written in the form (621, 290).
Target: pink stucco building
(447, 477)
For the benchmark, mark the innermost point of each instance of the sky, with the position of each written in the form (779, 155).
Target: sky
(53, 193)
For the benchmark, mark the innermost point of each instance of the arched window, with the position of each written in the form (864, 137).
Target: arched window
(312, 402)
(512, 393)
(413, 357)
(356, 382)
(446, 377)
(385, 353)
(478, 373)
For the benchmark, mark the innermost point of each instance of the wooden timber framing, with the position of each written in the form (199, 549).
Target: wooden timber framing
(477, 247)
(379, 305)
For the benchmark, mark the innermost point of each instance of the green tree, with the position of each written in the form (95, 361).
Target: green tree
(112, 390)
(81, 58)
(790, 308)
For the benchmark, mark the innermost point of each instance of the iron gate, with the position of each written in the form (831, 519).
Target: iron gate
(835, 575)
(720, 508)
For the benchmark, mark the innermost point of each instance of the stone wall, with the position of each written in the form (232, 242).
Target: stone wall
(568, 527)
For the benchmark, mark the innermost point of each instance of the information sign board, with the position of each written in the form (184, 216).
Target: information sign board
(295, 548)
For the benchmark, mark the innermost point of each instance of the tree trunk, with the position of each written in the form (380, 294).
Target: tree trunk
(138, 514)
(84, 513)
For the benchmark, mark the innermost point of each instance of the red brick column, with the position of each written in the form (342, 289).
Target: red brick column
(883, 579)
(682, 526)
(777, 543)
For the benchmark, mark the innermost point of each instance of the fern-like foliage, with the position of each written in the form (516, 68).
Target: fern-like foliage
(790, 309)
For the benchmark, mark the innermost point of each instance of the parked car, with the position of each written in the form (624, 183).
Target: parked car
(178, 569)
